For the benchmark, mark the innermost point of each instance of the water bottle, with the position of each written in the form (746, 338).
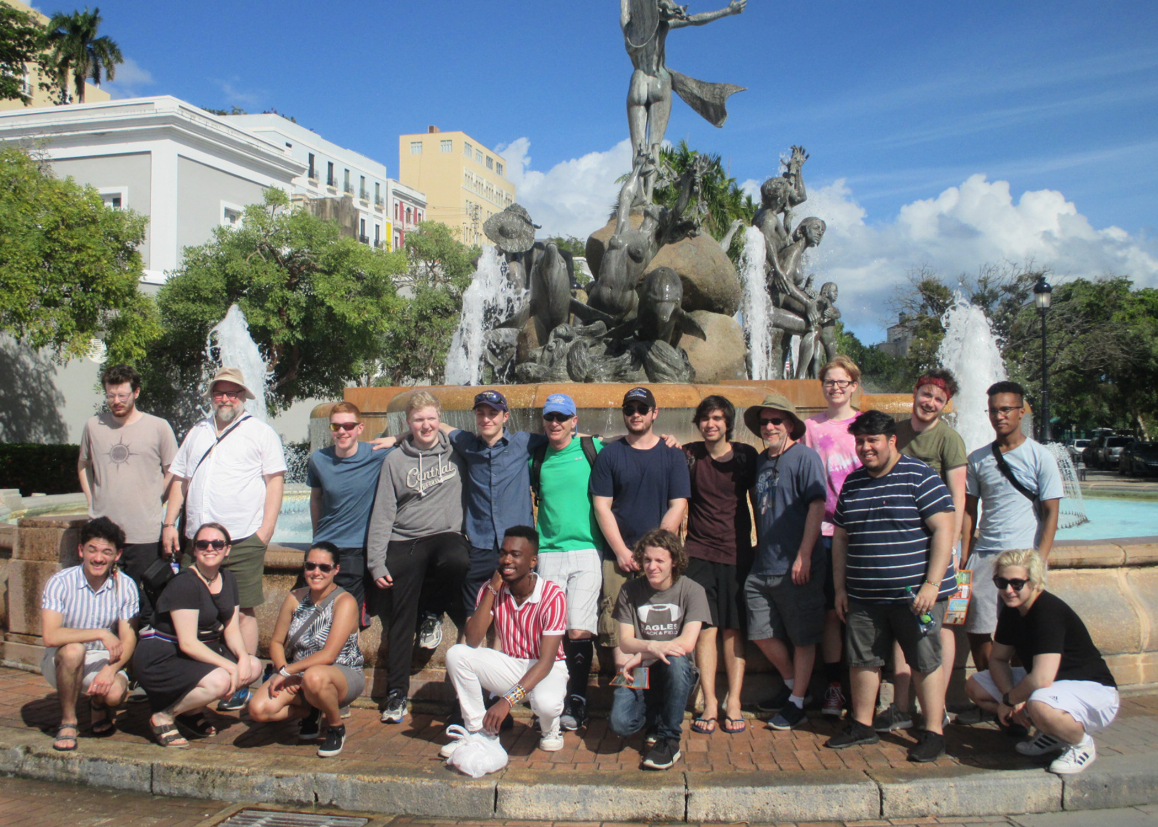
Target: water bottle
(925, 621)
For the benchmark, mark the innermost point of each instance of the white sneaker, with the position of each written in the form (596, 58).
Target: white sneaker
(1040, 744)
(552, 741)
(1075, 759)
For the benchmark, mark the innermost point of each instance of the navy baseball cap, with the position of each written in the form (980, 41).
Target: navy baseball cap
(493, 398)
(560, 403)
(639, 395)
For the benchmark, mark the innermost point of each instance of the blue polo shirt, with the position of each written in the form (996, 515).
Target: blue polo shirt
(498, 490)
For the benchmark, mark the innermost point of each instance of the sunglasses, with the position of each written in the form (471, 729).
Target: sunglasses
(1001, 583)
(324, 568)
(631, 410)
(772, 420)
(205, 545)
(344, 426)
(556, 417)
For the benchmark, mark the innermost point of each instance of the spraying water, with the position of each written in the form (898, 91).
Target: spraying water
(488, 301)
(230, 345)
(970, 351)
(756, 307)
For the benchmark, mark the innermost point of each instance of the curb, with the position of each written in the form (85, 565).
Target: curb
(436, 792)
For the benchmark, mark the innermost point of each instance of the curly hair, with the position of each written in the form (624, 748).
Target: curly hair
(662, 538)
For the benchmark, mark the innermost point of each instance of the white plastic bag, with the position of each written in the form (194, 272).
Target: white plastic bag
(477, 753)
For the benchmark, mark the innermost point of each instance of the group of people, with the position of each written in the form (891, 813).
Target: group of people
(857, 522)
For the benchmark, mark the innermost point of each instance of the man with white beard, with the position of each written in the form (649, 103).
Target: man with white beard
(230, 470)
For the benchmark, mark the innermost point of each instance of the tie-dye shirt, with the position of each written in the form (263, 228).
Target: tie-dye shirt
(837, 448)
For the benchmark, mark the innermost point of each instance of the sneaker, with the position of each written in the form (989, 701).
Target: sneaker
(853, 735)
(1075, 758)
(650, 738)
(344, 711)
(890, 718)
(552, 741)
(395, 711)
(929, 747)
(335, 740)
(430, 631)
(974, 715)
(236, 701)
(787, 718)
(1040, 744)
(663, 755)
(574, 713)
(777, 701)
(833, 701)
(945, 719)
(311, 728)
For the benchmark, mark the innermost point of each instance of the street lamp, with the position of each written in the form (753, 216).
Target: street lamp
(1042, 297)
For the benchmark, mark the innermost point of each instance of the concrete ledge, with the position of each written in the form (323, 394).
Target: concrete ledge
(1113, 781)
(966, 791)
(578, 796)
(834, 795)
(433, 792)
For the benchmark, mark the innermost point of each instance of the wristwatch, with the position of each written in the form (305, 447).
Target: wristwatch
(1005, 700)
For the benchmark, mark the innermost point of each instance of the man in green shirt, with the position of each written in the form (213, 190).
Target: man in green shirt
(570, 543)
(926, 437)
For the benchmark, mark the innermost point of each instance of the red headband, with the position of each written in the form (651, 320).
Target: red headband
(934, 380)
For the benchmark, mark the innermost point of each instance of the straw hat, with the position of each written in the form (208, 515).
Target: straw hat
(775, 402)
(230, 375)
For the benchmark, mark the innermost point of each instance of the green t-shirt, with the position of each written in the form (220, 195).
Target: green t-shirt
(939, 447)
(566, 517)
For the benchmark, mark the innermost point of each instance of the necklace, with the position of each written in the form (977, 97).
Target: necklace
(208, 583)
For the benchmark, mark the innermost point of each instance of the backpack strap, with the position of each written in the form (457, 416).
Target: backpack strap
(586, 443)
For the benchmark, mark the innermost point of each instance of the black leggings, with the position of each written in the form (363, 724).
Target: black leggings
(428, 575)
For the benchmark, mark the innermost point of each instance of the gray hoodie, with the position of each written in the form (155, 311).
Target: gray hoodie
(419, 495)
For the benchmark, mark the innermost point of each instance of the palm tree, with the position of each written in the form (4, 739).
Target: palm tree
(79, 53)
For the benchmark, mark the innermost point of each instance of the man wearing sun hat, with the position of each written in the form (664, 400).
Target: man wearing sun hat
(785, 588)
(231, 470)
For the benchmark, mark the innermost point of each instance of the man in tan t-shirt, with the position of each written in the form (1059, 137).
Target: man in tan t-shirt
(124, 468)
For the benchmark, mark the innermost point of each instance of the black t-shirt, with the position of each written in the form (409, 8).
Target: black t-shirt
(187, 591)
(1051, 627)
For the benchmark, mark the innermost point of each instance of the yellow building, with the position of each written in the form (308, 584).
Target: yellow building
(465, 183)
(32, 74)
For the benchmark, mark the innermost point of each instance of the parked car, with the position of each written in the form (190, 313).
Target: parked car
(1139, 459)
(1075, 448)
(1104, 451)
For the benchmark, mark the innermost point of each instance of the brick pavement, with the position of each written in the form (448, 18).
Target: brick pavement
(27, 702)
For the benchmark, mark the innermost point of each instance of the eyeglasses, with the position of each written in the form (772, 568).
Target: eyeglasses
(838, 383)
(772, 420)
(324, 568)
(1005, 411)
(205, 545)
(556, 417)
(632, 410)
(1018, 584)
(118, 397)
(227, 394)
(344, 426)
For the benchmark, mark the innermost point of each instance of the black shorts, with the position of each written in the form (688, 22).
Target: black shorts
(724, 584)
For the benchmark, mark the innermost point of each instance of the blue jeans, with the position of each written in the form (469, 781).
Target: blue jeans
(662, 706)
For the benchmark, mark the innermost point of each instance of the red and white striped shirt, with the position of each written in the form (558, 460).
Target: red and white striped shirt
(521, 628)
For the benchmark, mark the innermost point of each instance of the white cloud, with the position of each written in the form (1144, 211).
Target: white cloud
(132, 81)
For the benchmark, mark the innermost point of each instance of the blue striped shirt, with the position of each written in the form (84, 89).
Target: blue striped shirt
(888, 540)
(68, 593)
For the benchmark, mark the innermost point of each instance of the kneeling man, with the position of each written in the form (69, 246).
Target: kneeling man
(1068, 691)
(530, 616)
(87, 616)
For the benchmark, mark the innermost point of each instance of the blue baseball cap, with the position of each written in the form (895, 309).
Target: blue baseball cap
(493, 398)
(560, 403)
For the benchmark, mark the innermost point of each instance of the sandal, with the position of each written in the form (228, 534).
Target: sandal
(167, 735)
(704, 726)
(197, 723)
(69, 741)
(734, 726)
(103, 726)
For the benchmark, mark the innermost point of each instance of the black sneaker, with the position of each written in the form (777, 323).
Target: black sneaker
(663, 755)
(574, 714)
(787, 718)
(776, 702)
(854, 735)
(929, 747)
(311, 728)
(335, 740)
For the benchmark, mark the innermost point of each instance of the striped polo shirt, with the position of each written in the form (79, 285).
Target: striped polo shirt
(69, 593)
(521, 628)
(888, 540)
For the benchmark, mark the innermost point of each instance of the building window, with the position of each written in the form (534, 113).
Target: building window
(498, 168)
(467, 149)
(409, 215)
(418, 216)
(416, 147)
(330, 182)
(446, 146)
(346, 183)
(362, 192)
(115, 198)
(362, 231)
(231, 214)
(377, 235)
(478, 156)
(312, 173)
(490, 162)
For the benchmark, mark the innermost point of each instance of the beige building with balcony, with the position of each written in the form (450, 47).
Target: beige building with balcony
(464, 182)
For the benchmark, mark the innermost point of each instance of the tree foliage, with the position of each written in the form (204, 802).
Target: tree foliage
(78, 53)
(21, 44)
(318, 304)
(70, 266)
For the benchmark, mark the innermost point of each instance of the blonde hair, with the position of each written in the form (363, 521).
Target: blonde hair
(1023, 558)
(842, 361)
(422, 399)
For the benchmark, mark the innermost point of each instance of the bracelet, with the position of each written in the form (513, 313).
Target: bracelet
(934, 585)
(168, 525)
(284, 672)
(491, 589)
(515, 694)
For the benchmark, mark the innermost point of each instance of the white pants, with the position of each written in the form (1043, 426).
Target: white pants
(474, 670)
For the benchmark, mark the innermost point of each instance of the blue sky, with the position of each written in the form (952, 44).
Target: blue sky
(943, 134)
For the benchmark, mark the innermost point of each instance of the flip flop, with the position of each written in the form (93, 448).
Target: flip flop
(704, 726)
(68, 740)
(167, 735)
(197, 723)
(104, 726)
(734, 726)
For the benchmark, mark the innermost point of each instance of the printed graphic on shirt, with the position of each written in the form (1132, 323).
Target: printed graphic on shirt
(423, 479)
(659, 620)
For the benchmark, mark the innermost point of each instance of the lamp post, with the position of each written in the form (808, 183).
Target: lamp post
(1042, 296)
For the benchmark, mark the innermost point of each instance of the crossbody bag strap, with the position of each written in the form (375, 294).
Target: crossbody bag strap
(1007, 472)
(292, 640)
(183, 517)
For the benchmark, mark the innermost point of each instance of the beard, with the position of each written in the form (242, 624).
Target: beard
(228, 413)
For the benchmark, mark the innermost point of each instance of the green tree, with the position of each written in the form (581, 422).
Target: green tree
(21, 44)
(880, 371)
(318, 304)
(70, 266)
(78, 53)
